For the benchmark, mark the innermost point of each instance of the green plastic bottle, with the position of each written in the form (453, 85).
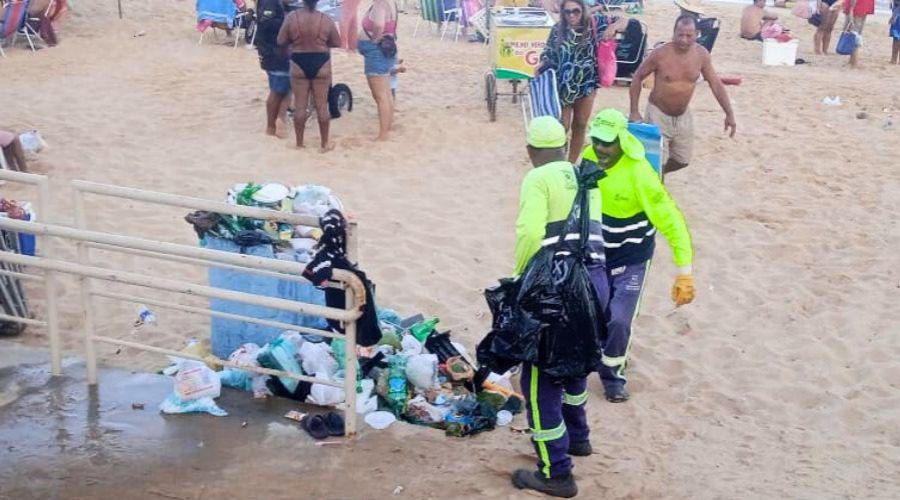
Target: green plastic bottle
(398, 394)
(423, 329)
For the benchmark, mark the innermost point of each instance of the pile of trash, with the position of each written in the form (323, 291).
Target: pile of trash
(415, 374)
(294, 243)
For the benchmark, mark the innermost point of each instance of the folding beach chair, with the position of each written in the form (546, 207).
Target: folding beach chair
(14, 24)
(543, 97)
(452, 12)
(707, 32)
(631, 46)
(623, 5)
(221, 13)
(651, 138)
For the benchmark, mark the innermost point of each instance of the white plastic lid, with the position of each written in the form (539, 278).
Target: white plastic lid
(382, 419)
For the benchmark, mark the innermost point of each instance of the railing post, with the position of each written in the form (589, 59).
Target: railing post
(85, 286)
(350, 366)
(50, 289)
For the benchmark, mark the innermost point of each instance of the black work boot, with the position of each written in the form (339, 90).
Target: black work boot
(617, 394)
(580, 448)
(563, 487)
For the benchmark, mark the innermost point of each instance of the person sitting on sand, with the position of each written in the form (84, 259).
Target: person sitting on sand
(555, 408)
(311, 35)
(754, 18)
(12, 151)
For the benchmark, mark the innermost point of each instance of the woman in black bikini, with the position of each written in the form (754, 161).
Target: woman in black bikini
(311, 35)
(828, 17)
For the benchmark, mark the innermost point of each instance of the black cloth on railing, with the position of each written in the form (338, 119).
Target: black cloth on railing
(331, 253)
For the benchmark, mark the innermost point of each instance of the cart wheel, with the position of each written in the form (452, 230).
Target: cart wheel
(490, 95)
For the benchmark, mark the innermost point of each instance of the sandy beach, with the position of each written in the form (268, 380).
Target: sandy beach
(782, 380)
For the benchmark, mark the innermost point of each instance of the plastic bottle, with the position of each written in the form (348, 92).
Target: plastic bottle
(423, 329)
(398, 395)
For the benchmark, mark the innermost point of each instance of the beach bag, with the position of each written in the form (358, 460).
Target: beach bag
(607, 65)
(815, 19)
(847, 43)
(803, 9)
(388, 46)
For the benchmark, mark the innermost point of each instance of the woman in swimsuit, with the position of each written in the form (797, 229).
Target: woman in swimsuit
(349, 24)
(571, 51)
(822, 38)
(380, 21)
(311, 35)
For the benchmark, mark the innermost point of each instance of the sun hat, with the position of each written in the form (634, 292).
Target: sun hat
(545, 132)
(690, 6)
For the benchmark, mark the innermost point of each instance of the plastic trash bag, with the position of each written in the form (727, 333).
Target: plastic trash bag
(32, 142)
(173, 404)
(281, 354)
(420, 411)
(317, 358)
(421, 371)
(195, 380)
(325, 395)
(411, 346)
(242, 379)
(550, 316)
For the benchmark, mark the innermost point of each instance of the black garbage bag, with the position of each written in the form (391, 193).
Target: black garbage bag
(550, 316)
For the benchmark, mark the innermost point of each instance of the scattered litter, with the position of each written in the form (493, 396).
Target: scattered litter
(326, 443)
(140, 33)
(243, 424)
(295, 415)
(137, 406)
(862, 115)
(380, 419)
(504, 417)
(832, 101)
(144, 317)
(888, 123)
(520, 430)
(398, 489)
(200, 444)
(173, 404)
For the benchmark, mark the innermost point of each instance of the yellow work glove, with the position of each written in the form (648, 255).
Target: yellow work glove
(683, 290)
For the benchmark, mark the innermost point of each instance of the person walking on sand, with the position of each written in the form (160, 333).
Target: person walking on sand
(677, 66)
(635, 205)
(555, 408)
(571, 52)
(311, 35)
(378, 46)
(274, 60)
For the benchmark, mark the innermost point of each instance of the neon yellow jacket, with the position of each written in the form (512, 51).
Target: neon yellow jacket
(635, 205)
(546, 198)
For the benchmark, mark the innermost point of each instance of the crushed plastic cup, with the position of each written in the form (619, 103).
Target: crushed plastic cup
(380, 419)
(144, 317)
(831, 101)
(504, 417)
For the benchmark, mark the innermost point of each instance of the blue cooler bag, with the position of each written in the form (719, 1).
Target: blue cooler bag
(847, 43)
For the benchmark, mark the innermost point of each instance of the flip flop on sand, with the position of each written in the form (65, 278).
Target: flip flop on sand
(315, 426)
(334, 423)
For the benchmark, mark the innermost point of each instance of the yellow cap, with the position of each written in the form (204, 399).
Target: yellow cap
(545, 132)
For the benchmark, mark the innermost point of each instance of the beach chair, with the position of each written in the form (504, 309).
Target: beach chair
(452, 13)
(623, 5)
(217, 13)
(543, 97)
(631, 47)
(478, 20)
(14, 24)
(708, 32)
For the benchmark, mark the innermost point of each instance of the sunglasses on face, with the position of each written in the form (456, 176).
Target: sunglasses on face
(598, 142)
(572, 12)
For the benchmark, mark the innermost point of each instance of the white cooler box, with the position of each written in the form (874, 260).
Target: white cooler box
(775, 53)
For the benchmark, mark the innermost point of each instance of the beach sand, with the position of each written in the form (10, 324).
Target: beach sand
(780, 381)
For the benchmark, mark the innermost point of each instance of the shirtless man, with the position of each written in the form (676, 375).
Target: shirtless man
(677, 66)
(753, 18)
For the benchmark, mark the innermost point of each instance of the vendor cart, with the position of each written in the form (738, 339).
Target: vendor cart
(517, 38)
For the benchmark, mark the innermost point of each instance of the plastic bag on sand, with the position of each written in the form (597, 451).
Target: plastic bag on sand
(421, 411)
(421, 370)
(411, 346)
(241, 379)
(366, 402)
(315, 201)
(195, 380)
(174, 404)
(324, 395)
(281, 354)
(317, 358)
(32, 142)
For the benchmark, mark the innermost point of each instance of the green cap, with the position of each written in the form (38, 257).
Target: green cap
(545, 132)
(608, 124)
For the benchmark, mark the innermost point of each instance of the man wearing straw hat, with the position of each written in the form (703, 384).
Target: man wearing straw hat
(555, 409)
(676, 67)
(635, 206)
